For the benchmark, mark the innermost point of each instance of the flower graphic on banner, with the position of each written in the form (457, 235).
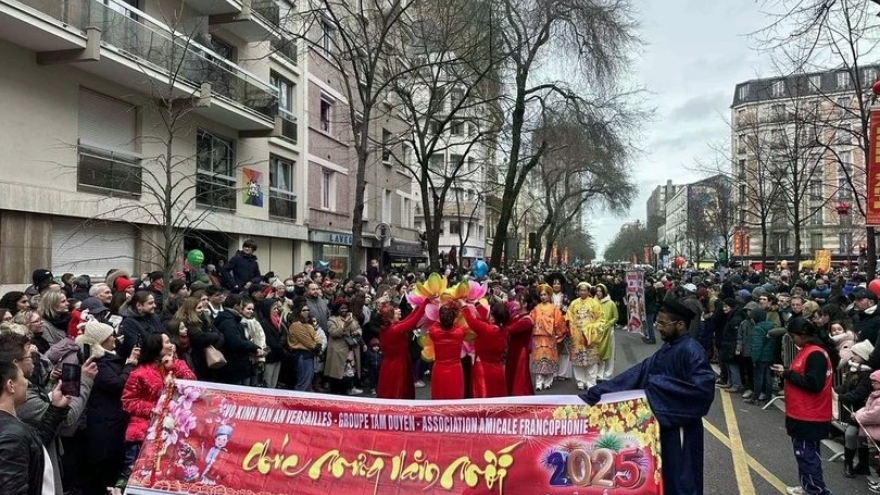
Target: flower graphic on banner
(253, 191)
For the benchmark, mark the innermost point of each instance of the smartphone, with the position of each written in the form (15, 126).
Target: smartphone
(86, 352)
(71, 379)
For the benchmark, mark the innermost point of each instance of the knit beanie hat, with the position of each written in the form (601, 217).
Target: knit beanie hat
(121, 284)
(875, 376)
(863, 349)
(95, 333)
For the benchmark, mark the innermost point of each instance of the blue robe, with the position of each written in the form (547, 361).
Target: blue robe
(680, 387)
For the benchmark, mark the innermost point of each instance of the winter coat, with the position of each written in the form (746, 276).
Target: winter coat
(854, 391)
(274, 333)
(141, 395)
(241, 269)
(54, 333)
(134, 328)
(254, 332)
(237, 349)
(106, 420)
(730, 334)
(868, 417)
(202, 336)
(744, 338)
(844, 343)
(64, 351)
(21, 449)
(337, 348)
(763, 346)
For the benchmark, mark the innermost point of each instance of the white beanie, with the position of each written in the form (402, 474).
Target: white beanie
(863, 349)
(94, 334)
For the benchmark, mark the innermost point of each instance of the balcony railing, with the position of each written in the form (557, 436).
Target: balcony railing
(288, 125)
(285, 48)
(268, 10)
(157, 46)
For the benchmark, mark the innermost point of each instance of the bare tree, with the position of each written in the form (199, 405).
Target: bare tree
(582, 167)
(840, 34)
(593, 37)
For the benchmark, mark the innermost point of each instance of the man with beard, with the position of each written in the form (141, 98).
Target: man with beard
(680, 386)
(318, 308)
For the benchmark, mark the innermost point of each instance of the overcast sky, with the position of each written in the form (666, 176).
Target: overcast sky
(696, 52)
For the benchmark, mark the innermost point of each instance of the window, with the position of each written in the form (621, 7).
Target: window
(457, 128)
(741, 170)
(816, 82)
(358, 127)
(845, 242)
(215, 162)
(435, 163)
(455, 164)
(328, 190)
(743, 91)
(327, 31)
(777, 112)
(386, 146)
(285, 105)
(742, 143)
(816, 218)
(326, 112)
(480, 232)
(471, 166)
(108, 161)
(842, 80)
(816, 240)
(456, 96)
(435, 127)
(843, 104)
(777, 89)
(282, 199)
(869, 77)
(844, 134)
(815, 191)
(455, 228)
(406, 213)
(386, 205)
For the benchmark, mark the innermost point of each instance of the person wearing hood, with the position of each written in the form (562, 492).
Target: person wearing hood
(763, 347)
(237, 349)
(851, 395)
(139, 320)
(105, 420)
(243, 268)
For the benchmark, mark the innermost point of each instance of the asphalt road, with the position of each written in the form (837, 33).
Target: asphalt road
(756, 460)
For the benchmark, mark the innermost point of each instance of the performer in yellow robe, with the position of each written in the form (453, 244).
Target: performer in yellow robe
(606, 349)
(587, 324)
(549, 330)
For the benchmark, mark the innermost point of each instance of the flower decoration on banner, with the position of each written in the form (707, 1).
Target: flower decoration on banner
(435, 292)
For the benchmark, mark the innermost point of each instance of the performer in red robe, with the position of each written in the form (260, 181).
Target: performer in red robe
(447, 376)
(488, 379)
(395, 374)
(516, 369)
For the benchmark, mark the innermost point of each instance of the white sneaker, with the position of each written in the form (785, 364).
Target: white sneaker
(795, 490)
(581, 386)
(355, 391)
(419, 384)
(747, 395)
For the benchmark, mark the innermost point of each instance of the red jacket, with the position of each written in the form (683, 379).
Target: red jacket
(142, 392)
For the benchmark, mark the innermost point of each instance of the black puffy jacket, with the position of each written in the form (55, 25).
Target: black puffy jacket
(237, 349)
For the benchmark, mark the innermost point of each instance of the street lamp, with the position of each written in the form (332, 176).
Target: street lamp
(656, 250)
(843, 210)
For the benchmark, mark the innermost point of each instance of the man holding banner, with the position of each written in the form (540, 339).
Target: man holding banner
(680, 387)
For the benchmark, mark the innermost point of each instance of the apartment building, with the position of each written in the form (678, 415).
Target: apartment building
(111, 104)
(655, 208)
(814, 118)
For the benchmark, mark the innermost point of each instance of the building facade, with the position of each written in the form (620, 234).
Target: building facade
(111, 104)
(655, 209)
(796, 141)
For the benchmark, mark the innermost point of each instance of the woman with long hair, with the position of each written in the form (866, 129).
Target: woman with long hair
(14, 301)
(488, 377)
(56, 316)
(447, 375)
(516, 369)
(395, 375)
(197, 333)
(269, 316)
(303, 343)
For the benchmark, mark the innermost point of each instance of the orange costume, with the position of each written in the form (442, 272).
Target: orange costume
(549, 330)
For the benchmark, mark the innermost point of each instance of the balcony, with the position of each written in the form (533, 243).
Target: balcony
(285, 48)
(214, 7)
(289, 127)
(257, 21)
(128, 47)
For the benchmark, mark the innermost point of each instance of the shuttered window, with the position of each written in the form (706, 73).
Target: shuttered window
(91, 248)
(109, 162)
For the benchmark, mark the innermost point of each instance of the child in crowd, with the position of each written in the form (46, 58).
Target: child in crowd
(843, 338)
(372, 363)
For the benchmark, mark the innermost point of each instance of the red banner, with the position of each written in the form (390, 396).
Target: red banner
(218, 439)
(872, 205)
(635, 300)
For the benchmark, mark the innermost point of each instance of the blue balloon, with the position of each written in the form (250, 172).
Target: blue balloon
(480, 269)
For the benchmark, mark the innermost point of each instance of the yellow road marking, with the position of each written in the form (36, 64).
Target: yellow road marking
(740, 463)
(753, 463)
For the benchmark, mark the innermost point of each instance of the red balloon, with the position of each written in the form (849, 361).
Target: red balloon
(874, 286)
(679, 261)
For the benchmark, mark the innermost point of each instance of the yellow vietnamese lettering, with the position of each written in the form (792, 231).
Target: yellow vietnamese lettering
(337, 465)
(420, 469)
(495, 470)
(258, 458)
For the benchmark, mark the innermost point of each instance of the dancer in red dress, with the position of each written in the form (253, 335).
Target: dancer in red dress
(488, 378)
(395, 374)
(516, 369)
(447, 376)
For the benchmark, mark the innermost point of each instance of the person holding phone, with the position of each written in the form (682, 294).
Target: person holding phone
(23, 469)
(106, 421)
(15, 347)
(808, 415)
(156, 364)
